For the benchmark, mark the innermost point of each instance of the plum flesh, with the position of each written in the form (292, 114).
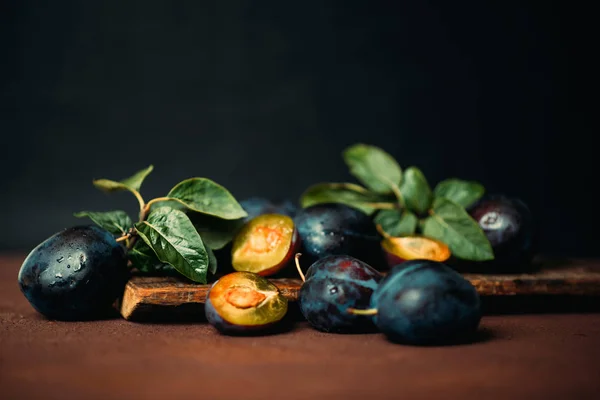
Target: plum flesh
(265, 244)
(425, 302)
(401, 249)
(75, 274)
(244, 303)
(332, 285)
(338, 229)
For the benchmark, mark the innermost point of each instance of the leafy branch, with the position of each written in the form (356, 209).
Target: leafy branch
(179, 230)
(403, 203)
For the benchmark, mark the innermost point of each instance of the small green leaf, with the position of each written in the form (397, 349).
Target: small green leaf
(451, 224)
(463, 193)
(205, 196)
(116, 222)
(416, 191)
(346, 193)
(397, 222)
(172, 236)
(373, 167)
(133, 183)
(145, 260)
(212, 261)
(215, 232)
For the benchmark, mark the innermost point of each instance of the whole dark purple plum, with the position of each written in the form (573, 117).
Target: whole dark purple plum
(75, 274)
(425, 302)
(255, 206)
(337, 229)
(332, 285)
(509, 226)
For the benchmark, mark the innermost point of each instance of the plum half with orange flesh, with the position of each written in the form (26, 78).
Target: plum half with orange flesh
(265, 244)
(405, 248)
(244, 303)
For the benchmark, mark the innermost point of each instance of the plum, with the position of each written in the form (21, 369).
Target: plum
(337, 229)
(508, 224)
(265, 244)
(401, 249)
(75, 274)
(424, 302)
(244, 303)
(255, 206)
(333, 284)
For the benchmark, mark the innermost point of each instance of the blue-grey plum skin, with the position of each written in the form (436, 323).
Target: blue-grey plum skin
(333, 284)
(75, 274)
(213, 318)
(255, 206)
(424, 302)
(337, 229)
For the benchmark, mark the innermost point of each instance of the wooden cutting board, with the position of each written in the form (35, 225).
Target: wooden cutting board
(145, 295)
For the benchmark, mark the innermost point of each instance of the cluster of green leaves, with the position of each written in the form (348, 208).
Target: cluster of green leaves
(404, 204)
(178, 231)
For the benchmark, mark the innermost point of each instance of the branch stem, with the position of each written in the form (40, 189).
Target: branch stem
(123, 238)
(146, 209)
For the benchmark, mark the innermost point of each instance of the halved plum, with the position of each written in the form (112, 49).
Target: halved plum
(265, 244)
(244, 302)
(405, 248)
(401, 249)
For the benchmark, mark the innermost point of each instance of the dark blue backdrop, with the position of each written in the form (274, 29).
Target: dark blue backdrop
(263, 96)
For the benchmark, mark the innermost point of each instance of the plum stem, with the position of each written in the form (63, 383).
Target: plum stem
(356, 311)
(297, 260)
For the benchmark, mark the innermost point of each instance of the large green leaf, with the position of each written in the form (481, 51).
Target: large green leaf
(172, 236)
(450, 223)
(346, 193)
(397, 222)
(145, 260)
(215, 232)
(116, 222)
(205, 196)
(133, 183)
(212, 261)
(463, 193)
(416, 191)
(372, 166)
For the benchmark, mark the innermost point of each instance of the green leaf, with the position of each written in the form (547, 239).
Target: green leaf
(212, 261)
(463, 193)
(205, 196)
(416, 191)
(346, 193)
(133, 183)
(397, 222)
(172, 236)
(145, 260)
(215, 232)
(451, 224)
(372, 166)
(116, 222)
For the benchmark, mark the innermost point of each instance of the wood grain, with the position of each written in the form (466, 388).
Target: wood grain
(143, 294)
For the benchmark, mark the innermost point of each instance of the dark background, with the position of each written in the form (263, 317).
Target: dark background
(263, 96)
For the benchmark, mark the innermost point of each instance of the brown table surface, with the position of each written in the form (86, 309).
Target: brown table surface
(519, 356)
